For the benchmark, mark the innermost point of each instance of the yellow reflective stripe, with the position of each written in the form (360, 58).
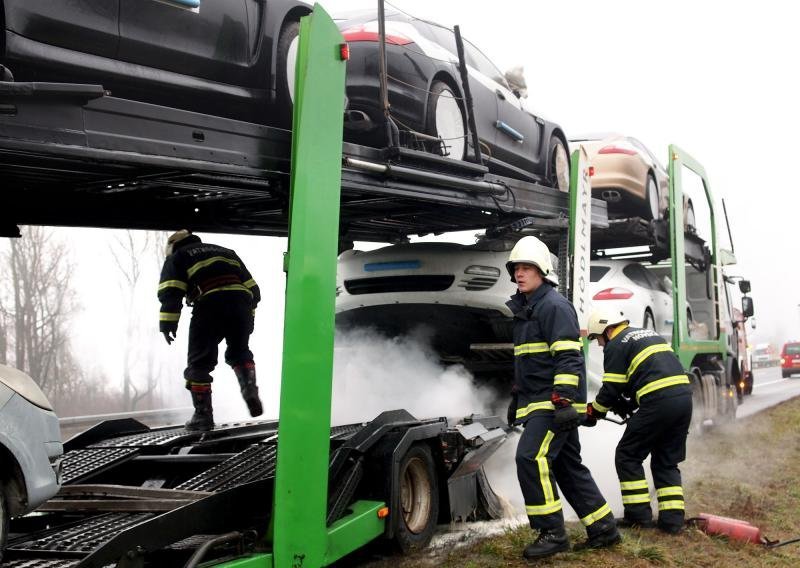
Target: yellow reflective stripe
(544, 468)
(565, 345)
(662, 383)
(168, 316)
(237, 287)
(596, 405)
(180, 284)
(644, 354)
(665, 491)
(635, 498)
(208, 262)
(526, 348)
(544, 405)
(566, 379)
(628, 485)
(249, 283)
(614, 378)
(195, 383)
(545, 509)
(579, 407)
(672, 504)
(597, 515)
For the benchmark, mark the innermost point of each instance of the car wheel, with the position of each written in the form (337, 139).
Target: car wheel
(288, 41)
(648, 322)
(3, 521)
(419, 499)
(690, 222)
(559, 164)
(445, 120)
(651, 200)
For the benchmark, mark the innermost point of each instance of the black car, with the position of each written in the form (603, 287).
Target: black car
(426, 99)
(223, 57)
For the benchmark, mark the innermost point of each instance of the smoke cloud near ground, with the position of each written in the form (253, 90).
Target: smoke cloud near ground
(373, 373)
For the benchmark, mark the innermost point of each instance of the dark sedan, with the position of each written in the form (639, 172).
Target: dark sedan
(221, 57)
(427, 101)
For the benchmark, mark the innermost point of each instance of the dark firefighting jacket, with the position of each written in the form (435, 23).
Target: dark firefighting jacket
(197, 270)
(636, 363)
(548, 353)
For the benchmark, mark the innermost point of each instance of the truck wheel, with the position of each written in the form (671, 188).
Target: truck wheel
(419, 500)
(446, 120)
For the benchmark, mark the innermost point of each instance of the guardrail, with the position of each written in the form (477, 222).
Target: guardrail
(162, 417)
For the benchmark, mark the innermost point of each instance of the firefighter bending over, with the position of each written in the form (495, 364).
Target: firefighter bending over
(224, 297)
(549, 387)
(641, 371)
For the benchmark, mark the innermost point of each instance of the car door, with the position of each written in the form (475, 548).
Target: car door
(86, 26)
(211, 42)
(662, 304)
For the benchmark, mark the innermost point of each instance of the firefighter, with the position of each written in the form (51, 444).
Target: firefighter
(549, 382)
(224, 297)
(641, 371)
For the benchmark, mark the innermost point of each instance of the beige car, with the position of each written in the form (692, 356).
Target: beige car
(629, 177)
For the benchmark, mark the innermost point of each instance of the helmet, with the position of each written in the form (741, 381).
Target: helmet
(530, 250)
(601, 318)
(175, 238)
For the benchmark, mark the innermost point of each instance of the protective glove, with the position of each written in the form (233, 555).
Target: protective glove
(565, 417)
(592, 415)
(169, 336)
(624, 407)
(511, 415)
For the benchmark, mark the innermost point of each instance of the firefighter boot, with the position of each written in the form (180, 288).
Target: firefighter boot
(549, 542)
(246, 374)
(203, 418)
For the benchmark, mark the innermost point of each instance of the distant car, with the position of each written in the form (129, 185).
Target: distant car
(427, 102)
(30, 448)
(763, 356)
(639, 293)
(629, 177)
(231, 58)
(790, 359)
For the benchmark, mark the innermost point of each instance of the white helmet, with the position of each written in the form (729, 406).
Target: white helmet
(530, 250)
(601, 318)
(175, 238)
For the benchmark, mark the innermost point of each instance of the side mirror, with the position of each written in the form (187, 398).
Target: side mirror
(753, 323)
(747, 306)
(515, 77)
(744, 286)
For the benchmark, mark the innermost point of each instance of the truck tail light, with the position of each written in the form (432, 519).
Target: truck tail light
(615, 293)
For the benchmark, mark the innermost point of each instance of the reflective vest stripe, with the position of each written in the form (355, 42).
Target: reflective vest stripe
(614, 378)
(661, 384)
(666, 491)
(545, 509)
(638, 484)
(596, 405)
(566, 345)
(546, 405)
(208, 262)
(544, 469)
(249, 283)
(179, 284)
(644, 354)
(168, 316)
(672, 504)
(236, 287)
(566, 379)
(597, 515)
(635, 498)
(526, 348)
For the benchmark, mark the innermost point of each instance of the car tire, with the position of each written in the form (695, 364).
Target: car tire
(559, 167)
(284, 79)
(445, 119)
(786, 374)
(419, 500)
(651, 204)
(648, 322)
(3, 521)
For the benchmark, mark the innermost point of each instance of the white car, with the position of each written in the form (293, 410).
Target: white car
(30, 446)
(455, 293)
(637, 292)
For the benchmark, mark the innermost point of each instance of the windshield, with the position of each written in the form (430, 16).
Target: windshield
(793, 349)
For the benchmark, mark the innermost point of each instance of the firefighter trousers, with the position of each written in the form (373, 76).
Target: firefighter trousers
(221, 315)
(545, 458)
(659, 428)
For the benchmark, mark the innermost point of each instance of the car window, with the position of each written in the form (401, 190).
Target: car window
(597, 272)
(793, 348)
(653, 282)
(442, 36)
(637, 274)
(482, 63)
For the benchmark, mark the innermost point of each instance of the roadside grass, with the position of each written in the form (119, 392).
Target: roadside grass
(749, 470)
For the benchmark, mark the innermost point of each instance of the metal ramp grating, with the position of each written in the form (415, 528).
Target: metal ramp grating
(254, 463)
(40, 563)
(80, 463)
(345, 432)
(158, 438)
(81, 538)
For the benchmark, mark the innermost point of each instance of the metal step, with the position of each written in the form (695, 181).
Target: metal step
(254, 463)
(78, 464)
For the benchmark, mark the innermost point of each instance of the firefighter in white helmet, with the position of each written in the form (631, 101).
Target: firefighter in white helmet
(641, 371)
(224, 297)
(549, 382)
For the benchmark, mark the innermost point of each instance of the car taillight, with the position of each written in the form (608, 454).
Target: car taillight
(613, 294)
(616, 150)
(369, 32)
(783, 360)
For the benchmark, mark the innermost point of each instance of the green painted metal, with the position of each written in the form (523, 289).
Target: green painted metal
(355, 530)
(299, 531)
(250, 561)
(684, 346)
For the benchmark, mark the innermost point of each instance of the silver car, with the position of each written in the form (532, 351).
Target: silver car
(30, 447)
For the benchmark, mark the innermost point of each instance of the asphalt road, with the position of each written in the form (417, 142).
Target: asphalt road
(769, 389)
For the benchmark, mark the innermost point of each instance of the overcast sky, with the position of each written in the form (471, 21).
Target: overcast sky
(719, 80)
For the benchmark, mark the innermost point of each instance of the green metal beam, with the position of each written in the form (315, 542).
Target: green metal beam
(250, 561)
(355, 530)
(300, 534)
